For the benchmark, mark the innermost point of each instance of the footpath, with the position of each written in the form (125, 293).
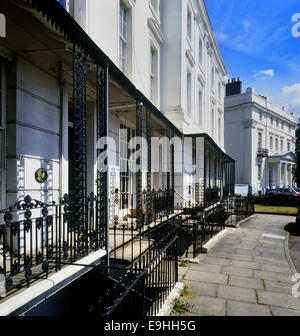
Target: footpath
(248, 272)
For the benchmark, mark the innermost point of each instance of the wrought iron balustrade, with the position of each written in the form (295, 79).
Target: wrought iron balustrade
(262, 152)
(197, 229)
(146, 285)
(130, 237)
(212, 195)
(36, 238)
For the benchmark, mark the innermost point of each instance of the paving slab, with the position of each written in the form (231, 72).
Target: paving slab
(284, 312)
(201, 288)
(234, 256)
(217, 261)
(206, 267)
(279, 287)
(237, 294)
(204, 305)
(234, 308)
(277, 269)
(270, 261)
(272, 276)
(246, 264)
(246, 282)
(245, 272)
(203, 276)
(245, 252)
(278, 300)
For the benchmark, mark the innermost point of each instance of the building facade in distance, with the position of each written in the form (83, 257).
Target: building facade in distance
(260, 137)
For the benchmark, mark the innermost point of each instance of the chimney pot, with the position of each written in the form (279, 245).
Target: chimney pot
(234, 87)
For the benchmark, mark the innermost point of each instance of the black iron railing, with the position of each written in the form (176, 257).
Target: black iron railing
(163, 202)
(196, 229)
(145, 286)
(212, 195)
(240, 205)
(36, 237)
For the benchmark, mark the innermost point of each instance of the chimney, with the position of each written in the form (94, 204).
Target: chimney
(233, 87)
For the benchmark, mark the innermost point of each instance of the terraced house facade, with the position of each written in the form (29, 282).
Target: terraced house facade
(85, 87)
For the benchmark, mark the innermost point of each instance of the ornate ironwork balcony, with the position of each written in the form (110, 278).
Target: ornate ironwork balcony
(262, 152)
(36, 237)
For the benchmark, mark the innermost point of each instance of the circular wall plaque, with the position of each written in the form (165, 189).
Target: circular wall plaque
(41, 175)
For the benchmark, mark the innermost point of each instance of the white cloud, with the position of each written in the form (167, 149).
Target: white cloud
(221, 36)
(293, 94)
(265, 73)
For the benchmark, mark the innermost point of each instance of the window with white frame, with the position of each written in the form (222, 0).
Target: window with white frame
(282, 125)
(189, 92)
(200, 107)
(271, 120)
(271, 141)
(200, 52)
(212, 78)
(259, 172)
(219, 91)
(260, 116)
(276, 144)
(123, 58)
(288, 146)
(189, 23)
(213, 122)
(259, 142)
(281, 145)
(154, 74)
(277, 123)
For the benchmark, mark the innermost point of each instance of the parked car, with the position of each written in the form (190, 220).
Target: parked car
(288, 191)
(271, 191)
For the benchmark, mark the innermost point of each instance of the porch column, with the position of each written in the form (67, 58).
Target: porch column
(285, 174)
(149, 172)
(168, 171)
(102, 229)
(139, 196)
(267, 177)
(279, 174)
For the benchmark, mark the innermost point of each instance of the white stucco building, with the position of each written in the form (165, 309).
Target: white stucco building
(74, 72)
(168, 50)
(260, 137)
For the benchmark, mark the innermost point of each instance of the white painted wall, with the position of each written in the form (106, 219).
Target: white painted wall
(33, 132)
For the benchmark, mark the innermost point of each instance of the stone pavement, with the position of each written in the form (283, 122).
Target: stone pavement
(246, 273)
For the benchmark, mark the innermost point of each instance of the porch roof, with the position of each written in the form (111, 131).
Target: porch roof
(63, 22)
(212, 142)
(288, 156)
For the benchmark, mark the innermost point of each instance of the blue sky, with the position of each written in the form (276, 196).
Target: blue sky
(256, 42)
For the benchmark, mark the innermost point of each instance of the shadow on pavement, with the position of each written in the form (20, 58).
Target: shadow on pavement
(293, 229)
